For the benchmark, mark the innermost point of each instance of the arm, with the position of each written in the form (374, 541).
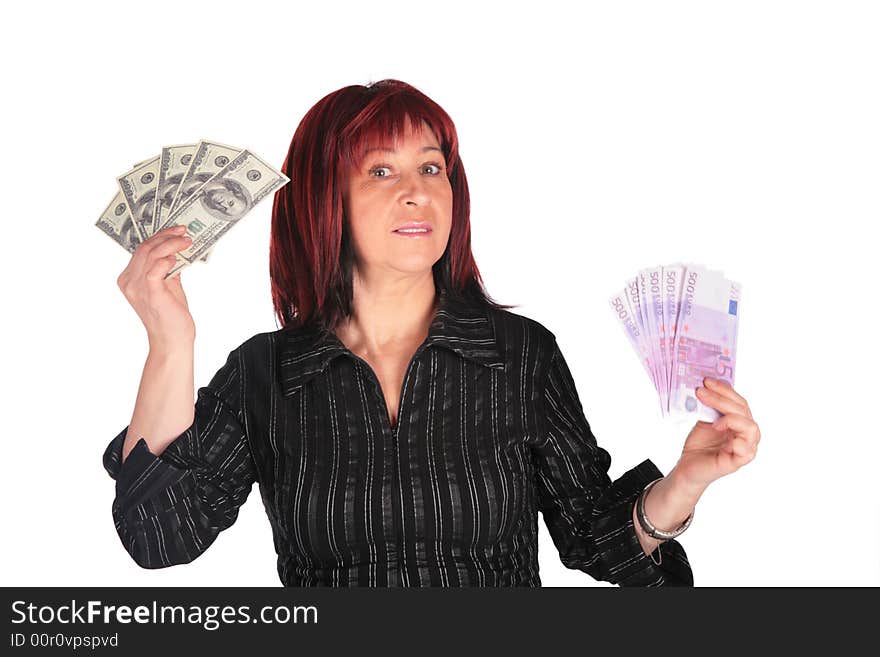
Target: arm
(169, 508)
(590, 517)
(165, 400)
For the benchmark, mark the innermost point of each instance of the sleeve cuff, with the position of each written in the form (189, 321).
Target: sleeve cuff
(618, 544)
(113, 454)
(142, 475)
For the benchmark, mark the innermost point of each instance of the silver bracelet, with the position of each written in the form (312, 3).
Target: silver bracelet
(649, 528)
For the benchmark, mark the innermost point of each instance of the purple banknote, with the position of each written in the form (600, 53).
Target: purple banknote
(681, 321)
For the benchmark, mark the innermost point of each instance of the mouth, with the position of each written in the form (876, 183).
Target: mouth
(413, 229)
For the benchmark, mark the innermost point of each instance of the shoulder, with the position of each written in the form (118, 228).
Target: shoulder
(262, 350)
(273, 342)
(518, 324)
(521, 337)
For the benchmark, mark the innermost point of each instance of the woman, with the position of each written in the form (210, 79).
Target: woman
(403, 428)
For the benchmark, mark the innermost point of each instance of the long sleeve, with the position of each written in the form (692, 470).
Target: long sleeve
(589, 516)
(169, 509)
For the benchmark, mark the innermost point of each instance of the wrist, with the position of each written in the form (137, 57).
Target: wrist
(171, 349)
(667, 504)
(685, 491)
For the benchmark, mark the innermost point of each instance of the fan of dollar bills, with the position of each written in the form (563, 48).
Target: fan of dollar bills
(207, 187)
(682, 322)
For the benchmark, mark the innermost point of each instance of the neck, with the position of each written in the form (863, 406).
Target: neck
(390, 314)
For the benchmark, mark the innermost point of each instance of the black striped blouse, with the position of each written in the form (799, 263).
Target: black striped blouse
(490, 431)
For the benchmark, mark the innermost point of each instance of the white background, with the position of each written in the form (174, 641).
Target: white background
(598, 138)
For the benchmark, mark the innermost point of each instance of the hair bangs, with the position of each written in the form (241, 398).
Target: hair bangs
(383, 122)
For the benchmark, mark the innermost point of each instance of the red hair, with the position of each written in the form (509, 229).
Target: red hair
(310, 251)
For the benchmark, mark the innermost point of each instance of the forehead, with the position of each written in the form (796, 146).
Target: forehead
(410, 137)
(428, 148)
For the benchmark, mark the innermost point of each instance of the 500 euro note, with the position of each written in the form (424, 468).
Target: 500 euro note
(652, 305)
(671, 289)
(634, 301)
(705, 339)
(632, 327)
(681, 320)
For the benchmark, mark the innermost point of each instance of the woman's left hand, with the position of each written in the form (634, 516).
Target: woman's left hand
(713, 450)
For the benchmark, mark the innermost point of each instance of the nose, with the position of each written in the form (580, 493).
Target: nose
(415, 189)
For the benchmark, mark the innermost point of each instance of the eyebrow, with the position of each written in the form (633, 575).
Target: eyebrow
(391, 150)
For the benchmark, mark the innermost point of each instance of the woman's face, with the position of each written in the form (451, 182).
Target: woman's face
(397, 184)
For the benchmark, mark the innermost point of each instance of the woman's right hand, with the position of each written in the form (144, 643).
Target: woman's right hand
(159, 302)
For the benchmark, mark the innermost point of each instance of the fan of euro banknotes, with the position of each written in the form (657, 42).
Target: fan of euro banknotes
(207, 187)
(681, 320)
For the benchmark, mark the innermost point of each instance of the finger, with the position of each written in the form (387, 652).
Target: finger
(741, 426)
(719, 402)
(741, 449)
(160, 268)
(170, 246)
(161, 236)
(723, 388)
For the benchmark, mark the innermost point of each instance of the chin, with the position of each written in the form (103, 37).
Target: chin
(416, 263)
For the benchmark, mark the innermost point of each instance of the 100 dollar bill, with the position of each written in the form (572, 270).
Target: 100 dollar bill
(173, 164)
(224, 199)
(208, 158)
(116, 222)
(138, 187)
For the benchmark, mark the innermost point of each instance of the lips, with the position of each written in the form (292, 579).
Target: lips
(412, 226)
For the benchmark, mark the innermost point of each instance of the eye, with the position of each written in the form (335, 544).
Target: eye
(375, 172)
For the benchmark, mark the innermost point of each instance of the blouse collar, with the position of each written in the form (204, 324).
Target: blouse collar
(468, 330)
